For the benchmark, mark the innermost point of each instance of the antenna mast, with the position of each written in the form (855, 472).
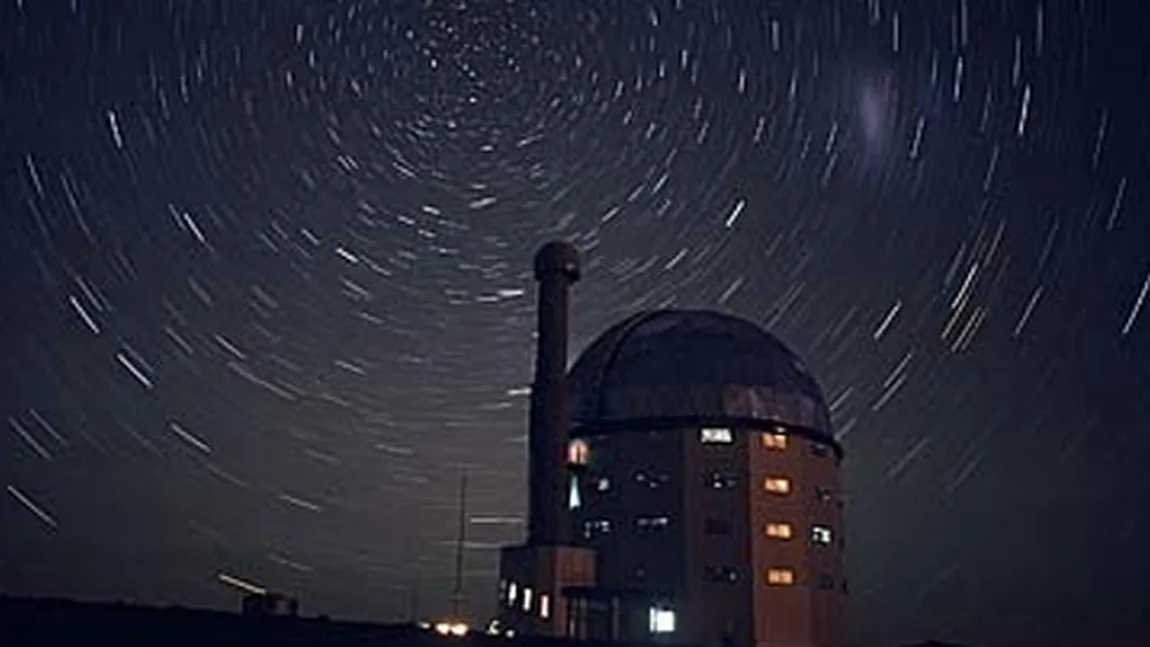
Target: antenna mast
(460, 538)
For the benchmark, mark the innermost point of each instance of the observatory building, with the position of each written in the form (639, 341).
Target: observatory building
(683, 485)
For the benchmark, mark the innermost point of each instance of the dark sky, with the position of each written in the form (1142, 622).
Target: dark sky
(265, 282)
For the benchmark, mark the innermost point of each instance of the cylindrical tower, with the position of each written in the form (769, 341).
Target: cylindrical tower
(556, 269)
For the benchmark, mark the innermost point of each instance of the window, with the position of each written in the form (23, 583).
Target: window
(652, 523)
(604, 484)
(818, 449)
(512, 591)
(544, 606)
(578, 452)
(821, 535)
(775, 439)
(779, 530)
(527, 599)
(826, 582)
(780, 577)
(502, 590)
(722, 481)
(716, 435)
(725, 574)
(777, 485)
(652, 481)
(660, 620)
(716, 526)
(823, 494)
(574, 501)
(594, 527)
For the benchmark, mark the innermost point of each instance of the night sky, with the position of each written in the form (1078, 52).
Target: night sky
(265, 272)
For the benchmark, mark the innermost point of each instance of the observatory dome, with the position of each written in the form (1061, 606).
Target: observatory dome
(666, 368)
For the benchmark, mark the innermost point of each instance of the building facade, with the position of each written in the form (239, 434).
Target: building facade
(703, 495)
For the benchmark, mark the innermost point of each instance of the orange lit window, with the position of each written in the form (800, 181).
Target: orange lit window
(578, 452)
(775, 440)
(777, 485)
(780, 577)
(779, 530)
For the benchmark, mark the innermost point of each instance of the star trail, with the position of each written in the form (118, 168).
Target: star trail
(266, 273)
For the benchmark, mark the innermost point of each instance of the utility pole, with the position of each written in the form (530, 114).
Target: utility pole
(460, 539)
(413, 603)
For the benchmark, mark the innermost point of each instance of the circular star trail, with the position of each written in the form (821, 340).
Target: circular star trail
(266, 282)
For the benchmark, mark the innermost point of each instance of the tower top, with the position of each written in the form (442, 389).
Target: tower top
(557, 257)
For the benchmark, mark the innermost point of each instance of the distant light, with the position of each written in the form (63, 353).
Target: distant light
(449, 628)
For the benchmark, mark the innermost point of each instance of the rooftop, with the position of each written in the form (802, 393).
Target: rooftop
(692, 364)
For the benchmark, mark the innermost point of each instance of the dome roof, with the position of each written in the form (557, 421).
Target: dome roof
(691, 366)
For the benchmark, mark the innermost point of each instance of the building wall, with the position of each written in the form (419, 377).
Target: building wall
(632, 510)
(716, 599)
(714, 553)
(802, 603)
(531, 584)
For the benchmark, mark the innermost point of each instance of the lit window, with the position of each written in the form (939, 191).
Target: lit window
(775, 440)
(527, 598)
(780, 577)
(604, 484)
(652, 481)
(721, 481)
(821, 535)
(779, 530)
(578, 452)
(652, 523)
(512, 591)
(595, 527)
(716, 435)
(661, 621)
(777, 485)
(544, 606)
(574, 501)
